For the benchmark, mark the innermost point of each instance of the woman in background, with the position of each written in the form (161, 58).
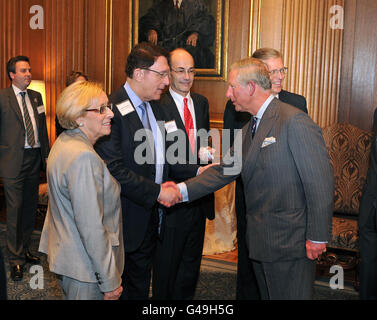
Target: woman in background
(82, 234)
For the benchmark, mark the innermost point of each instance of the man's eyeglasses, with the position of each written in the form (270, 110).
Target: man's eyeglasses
(161, 74)
(278, 71)
(181, 71)
(102, 109)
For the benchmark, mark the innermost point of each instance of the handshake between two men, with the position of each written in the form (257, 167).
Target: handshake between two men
(170, 194)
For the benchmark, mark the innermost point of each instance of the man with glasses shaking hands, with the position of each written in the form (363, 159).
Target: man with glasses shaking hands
(142, 189)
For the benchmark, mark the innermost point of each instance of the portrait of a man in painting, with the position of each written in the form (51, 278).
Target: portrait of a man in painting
(185, 24)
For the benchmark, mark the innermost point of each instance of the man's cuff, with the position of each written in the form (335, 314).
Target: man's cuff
(183, 190)
(159, 194)
(318, 241)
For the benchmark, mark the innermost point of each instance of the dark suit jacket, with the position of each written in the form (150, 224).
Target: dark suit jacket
(205, 205)
(139, 192)
(288, 184)
(3, 279)
(369, 196)
(12, 132)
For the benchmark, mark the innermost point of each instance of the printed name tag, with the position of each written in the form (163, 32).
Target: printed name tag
(171, 126)
(125, 107)
(41, 109)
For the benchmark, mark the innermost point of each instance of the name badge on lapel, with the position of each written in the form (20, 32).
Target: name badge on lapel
(125, 107)
(41, 109)
(171, 126)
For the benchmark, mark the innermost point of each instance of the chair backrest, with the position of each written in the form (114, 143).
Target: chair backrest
(349, 150)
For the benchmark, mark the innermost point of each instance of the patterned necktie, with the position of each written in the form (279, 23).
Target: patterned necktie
(28, 123)
(189, 126)
(176, 4)
(253, 125)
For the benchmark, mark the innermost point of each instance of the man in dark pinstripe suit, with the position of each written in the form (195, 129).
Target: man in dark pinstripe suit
(288, 185)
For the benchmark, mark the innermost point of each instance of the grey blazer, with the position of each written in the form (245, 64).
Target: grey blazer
(82, 234)
(288, 184)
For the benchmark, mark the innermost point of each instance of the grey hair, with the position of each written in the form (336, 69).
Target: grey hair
(252, 69)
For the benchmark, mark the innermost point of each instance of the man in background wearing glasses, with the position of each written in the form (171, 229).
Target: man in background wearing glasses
(246, 283)
(178, 255)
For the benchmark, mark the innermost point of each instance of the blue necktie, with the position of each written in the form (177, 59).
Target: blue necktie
(147, 125)
(144, 116)
(253, 125)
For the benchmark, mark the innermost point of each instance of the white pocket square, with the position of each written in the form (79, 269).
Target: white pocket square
(268, 141)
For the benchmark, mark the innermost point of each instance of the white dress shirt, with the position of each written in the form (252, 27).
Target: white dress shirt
(178, 99)
(17, 92)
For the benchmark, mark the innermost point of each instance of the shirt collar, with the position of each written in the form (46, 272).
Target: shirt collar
(17, 90)
(177, 96)
(135, 100)
(264, 106)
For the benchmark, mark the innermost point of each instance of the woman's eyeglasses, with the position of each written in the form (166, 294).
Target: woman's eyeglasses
(102, 109)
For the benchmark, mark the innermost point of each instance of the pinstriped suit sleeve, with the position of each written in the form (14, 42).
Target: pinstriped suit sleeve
(312, 161)
(208, 182)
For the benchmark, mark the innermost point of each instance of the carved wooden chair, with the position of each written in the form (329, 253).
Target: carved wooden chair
(349, 150)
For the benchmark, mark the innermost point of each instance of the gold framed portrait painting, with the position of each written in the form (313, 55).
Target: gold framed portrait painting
(199, 26)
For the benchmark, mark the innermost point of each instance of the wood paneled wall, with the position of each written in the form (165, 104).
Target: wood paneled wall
(358, 85)
(95, 36)
(312, 50)
(65, 49)
(17, 38)
(54, 51)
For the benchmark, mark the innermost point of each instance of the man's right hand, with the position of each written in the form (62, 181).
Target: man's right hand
(169, 194)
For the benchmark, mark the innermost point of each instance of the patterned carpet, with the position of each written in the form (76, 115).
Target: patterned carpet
(217, 281)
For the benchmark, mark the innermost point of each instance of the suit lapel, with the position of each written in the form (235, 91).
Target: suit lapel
(198, 118)
(265, 125)
(132, 123)
(34, 103)
(174, 115)
(13, 103)
(158, 115)
(132, 119)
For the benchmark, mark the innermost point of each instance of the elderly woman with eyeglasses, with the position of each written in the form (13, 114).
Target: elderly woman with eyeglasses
(82, 233)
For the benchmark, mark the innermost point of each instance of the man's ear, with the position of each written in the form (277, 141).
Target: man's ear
(12, 75)
(251, 86)
(138, 74)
